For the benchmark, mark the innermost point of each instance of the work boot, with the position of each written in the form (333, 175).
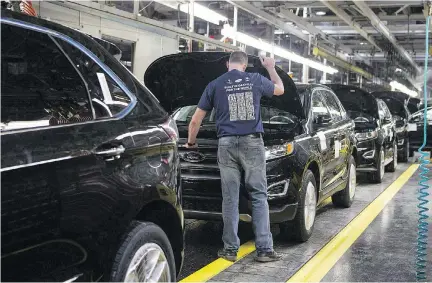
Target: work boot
(267, 256)
(227, 254)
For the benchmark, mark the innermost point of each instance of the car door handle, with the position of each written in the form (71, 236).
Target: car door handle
(114, 152)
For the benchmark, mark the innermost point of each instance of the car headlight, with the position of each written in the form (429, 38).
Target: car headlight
(366, 135)
(277, 151)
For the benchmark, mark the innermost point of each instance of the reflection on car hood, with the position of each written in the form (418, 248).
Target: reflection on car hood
(180, 79)
(395, 101)
(356, 99)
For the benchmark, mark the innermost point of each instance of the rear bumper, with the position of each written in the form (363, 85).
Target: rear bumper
(277, 215)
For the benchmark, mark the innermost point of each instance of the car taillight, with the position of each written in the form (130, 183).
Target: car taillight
(170, 128)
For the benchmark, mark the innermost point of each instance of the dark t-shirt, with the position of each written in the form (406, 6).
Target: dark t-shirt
(236, 97)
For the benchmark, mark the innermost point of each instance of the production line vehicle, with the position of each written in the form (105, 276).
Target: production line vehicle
(397, 104)
(89, 163)
(375, 130)
(309, 139)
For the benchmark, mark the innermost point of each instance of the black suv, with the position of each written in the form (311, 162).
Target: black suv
(90, 171)
(375, 130)
(397, 104)
(308, 138)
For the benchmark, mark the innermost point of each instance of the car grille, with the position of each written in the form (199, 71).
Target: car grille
(208, 205)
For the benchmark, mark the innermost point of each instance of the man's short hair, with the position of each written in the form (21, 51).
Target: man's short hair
(239, 57)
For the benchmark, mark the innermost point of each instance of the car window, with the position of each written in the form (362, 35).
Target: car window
(39, 86)
(384, 112)
(107, 97)
(318, 105)
(333, 105)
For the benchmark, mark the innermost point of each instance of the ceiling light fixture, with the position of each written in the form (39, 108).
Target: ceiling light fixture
(257, 43)
(320, 13)
(200, 11)
(398, 86)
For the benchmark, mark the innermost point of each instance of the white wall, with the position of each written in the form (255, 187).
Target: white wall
(149, 45)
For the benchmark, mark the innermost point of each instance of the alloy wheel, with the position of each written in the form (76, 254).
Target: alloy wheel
(310, 206)
(149, 264)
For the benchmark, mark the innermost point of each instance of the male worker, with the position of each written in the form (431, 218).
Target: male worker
(236, 96)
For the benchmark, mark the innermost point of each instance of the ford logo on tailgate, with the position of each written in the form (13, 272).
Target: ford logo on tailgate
(193, 156)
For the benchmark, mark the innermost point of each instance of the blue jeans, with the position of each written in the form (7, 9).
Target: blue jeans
(234, 154)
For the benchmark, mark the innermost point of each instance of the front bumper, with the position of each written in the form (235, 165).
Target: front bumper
(202, 194)
(277, 215)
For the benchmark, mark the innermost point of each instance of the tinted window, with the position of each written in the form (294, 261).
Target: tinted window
(333, 105)
(318, 105)
(39, 86)
(107, 97)
(384, 112)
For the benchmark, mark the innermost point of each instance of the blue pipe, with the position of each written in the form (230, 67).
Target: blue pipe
(422, 233)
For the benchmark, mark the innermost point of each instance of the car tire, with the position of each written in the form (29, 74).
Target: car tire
(300, 229)
(345, 197)
(391, 167)
(378, 175)
(406, 151)
(147, 241)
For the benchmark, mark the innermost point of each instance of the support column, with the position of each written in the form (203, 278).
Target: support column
(324, 77)
(191, 26)
(305, 73)
(235, 24)
(136, 7)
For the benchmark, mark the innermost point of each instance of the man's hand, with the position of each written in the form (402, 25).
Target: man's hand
(190, 146)
(267, 62)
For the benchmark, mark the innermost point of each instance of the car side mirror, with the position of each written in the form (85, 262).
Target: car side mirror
(322, 119)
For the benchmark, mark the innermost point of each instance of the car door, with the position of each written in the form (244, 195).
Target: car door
(62, 153)
(324, 136)
(386, 128)
(341, 134)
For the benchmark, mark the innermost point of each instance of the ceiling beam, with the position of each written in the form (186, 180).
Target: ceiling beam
(270, 19)
(347, 19)
(345, 4)
(394, 29)
(305, 25)
(300, 22)
(379, 25)
(404, 18)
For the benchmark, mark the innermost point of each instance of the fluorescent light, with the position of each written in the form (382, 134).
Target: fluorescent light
(305, 31)
(320, 13)
(200, 11)
(228, 31)
(363, 43)
(398, 86)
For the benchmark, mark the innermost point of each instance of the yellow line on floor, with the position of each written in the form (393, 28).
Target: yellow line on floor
(214, 268)
(318, 266)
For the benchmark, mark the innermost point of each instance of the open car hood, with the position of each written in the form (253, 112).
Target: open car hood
(179, 80)
(396, 102)
(356, 99)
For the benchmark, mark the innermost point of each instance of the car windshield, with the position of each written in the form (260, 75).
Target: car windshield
(269, 116)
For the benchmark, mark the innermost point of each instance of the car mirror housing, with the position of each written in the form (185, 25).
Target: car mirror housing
(322, 119)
